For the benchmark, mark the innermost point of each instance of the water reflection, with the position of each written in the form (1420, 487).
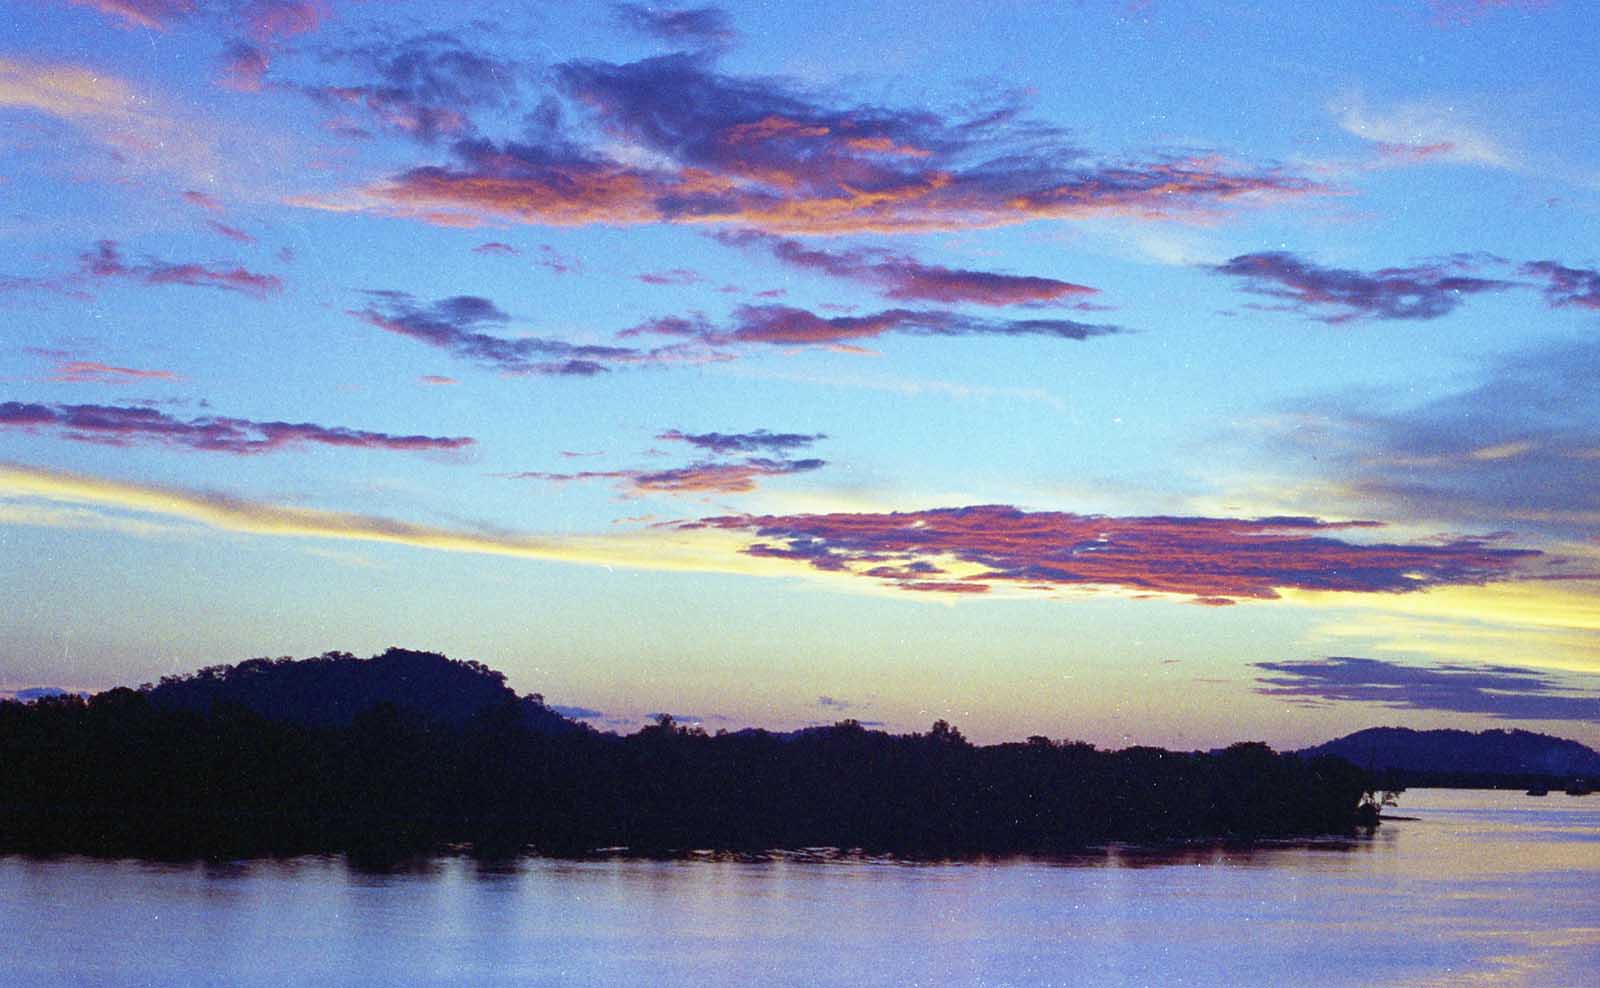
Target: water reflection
(1482, 888)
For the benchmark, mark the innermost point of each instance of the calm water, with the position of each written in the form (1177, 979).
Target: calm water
(1484, 889)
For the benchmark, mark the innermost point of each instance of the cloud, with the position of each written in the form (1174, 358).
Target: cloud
(761, 440)
(1339, 295)
(106, 261)
(677, 25)
(137, 129)
(650, 549)
(681, 143)
(904, 278)
(1281, 556)
(1518, 448)
(95, 372)
(784, 325)
(245, 67)
(553, 260)
(1499, 691)
(831, 703)
(696, 478)
(231, 232)
(672, 276)
(425, 87)
(456, 325)
(205, 201)
(266, 24)
(496, 247)
(272, 20)
(153, 15)
(991, 545)
(125, 426)
(1421, 131)
(1566, 286)
(436, 380)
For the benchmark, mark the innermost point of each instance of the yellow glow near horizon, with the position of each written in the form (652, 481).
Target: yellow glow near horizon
(1529, 623)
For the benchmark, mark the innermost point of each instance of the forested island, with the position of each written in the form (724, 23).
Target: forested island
(408, 752)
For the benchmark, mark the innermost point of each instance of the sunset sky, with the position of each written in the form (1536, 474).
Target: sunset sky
(1142, 373)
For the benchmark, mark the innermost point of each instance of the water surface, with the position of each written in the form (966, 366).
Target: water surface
(1484, 889)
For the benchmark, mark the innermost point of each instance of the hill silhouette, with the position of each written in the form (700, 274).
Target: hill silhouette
(409, 751)
(331, 689)
(1491, 759)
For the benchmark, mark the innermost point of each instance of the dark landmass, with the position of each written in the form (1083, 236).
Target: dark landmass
(1400, 757)
(407, 752)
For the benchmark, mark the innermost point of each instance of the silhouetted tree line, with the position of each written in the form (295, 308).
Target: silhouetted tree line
(194, 766)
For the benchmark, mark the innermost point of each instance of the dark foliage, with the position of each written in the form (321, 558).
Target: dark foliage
(408, 751)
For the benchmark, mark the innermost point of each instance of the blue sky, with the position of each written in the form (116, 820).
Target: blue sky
(1070, 369)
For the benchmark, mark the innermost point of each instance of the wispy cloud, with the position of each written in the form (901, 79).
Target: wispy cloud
(107, 261)
(137, 128)
(1517, 448)
(696, 478)
(263, 26)
(1499, 691)
(1215, 558)
(904, 278)
(677, 25)
(95, 372)
(125, 426)
(1423, 131)
(671, 276)
(426, 87)
(784, 325)
(496, 247)
(650, 549)
(152, 15)
(761, 440)
(457, 325)
(706, 476)
(231, 232)
(1339, 295)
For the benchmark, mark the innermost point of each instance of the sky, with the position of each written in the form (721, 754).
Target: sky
(1137, 373)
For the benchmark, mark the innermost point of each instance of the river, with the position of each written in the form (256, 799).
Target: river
(1483, 888)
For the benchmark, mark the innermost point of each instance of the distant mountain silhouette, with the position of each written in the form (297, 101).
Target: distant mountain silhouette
(332, 689)
(1444, 757)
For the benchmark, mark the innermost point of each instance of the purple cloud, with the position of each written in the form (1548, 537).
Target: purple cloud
(114, 425)
(496, 247)
(761, 440)
(1339, 295)
(456, 325)
(1217, 558)
(106, 261)
(788, 326)
(770, 156)
(696, 478)
(424, 87)
(1506, 692)
(1566, 286)
(904, 278)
